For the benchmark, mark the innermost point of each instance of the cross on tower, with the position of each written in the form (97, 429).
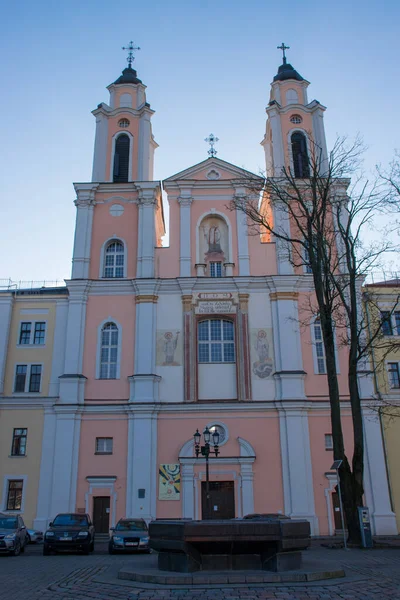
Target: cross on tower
(131, 48)
(283, 48)
(212, 139)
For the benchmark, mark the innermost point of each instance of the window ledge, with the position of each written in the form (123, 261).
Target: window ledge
(17, 456)
(102, 453)
(24, 394)
(31, 345)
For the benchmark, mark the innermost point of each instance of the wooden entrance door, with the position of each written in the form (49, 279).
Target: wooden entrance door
(222, 500)
(101, 513)
(336, 511)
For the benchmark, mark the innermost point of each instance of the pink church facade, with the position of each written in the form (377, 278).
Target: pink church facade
(161, 341)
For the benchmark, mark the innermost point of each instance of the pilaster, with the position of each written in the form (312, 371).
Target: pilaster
(6, 307)
(185, 260)
(282, 226)
(298, 489)
(243, 350)
(43, 515)
(242, 237)
(189, 352)
(277, 141)
(147, 201)
(145, 150)
(376, 478)
(100, 148)
(58, 358)
(84, 203)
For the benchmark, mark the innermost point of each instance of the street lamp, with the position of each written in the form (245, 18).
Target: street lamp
(205, 451)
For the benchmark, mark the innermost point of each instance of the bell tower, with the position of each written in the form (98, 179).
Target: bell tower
(124, 143)
(292, 123)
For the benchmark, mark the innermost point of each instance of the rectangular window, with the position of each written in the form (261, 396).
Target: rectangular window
(19, 442)
(34, 380)
(319, 348)
(20, 378)
(104, 445)
(25, 333)
(394, 375)
(328, 441)
(215, 269)
(397, 321)
(307, 267)
(14, 494)
(386, 323)
(40, 330)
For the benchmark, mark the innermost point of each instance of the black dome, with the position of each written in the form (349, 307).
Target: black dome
(129, 75)
(286, 71)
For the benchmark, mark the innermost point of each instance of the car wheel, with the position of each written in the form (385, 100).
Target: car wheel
(17, 549)
(46, 550)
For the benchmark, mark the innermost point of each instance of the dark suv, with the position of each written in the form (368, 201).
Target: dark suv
(129, 535)
(13, 538)
(69, 531)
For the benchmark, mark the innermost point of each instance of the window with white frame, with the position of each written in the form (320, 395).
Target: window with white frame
(28, 378)
(390, 322)
(18, 447)
(32, 333)
(394, 375)
(109, 351)
(104, 445)
(328, 441)
(215, 269)
(14, 494)
(216, 343)
(114, 258)
(319, 347)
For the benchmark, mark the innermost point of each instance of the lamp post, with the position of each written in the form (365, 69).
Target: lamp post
(205, 451)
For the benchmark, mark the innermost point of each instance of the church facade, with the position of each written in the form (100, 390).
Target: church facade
(109, 378)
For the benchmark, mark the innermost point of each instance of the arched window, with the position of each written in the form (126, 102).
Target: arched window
(114, 260)
(319, 348)
(109, 351)
(121, 159)
(300, 156)
(216, 341)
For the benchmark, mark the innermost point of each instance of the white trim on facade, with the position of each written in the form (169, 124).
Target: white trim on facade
(99, 345)
(27, 377)
(6, 479)
(104, 247)
(113, 141)
(102, 483)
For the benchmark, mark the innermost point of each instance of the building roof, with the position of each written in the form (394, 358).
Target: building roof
(286, 71)
(387, 283)
(129, 75)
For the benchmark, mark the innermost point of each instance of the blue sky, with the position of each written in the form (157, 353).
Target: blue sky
(207, 66)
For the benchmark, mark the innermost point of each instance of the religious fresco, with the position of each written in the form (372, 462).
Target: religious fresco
(169, 348)
(169, 482)
(262, 352)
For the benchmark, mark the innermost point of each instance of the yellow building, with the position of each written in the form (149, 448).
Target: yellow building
(32, 325)
(382, 306)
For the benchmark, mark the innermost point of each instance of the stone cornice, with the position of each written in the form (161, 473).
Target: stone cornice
(85, 193)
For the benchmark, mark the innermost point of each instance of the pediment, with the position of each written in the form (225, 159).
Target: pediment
(213, 169)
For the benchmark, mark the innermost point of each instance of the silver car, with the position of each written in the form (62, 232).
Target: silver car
(13, 538)
(129, 535)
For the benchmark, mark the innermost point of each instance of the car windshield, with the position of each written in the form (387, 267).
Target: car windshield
(131, 525)
(8, 523)
(75, 520)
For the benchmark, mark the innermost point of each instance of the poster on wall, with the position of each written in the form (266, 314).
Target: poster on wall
(169, 482)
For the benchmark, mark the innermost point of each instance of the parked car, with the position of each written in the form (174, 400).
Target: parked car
(13, 537)
(129, 535)
(34, 536)
(69, 531)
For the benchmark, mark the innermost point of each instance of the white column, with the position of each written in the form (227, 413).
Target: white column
(100, 148)
(144, 147)
(243, 244)
(65, 465)
(44, 516)
(6, 306)
(83, 229)
(247, 476)
(283, 249)
(72, 381)
(298, 487)
(277, 141)
(319, 136)
(58, 359)
(289, 373)
(142, 465)
(377, 497)
(146, 235)
(185, 259)
(187, 489)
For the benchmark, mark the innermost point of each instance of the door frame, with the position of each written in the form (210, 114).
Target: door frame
(104, 483)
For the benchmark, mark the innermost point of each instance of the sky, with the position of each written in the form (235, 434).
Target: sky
(207, 67)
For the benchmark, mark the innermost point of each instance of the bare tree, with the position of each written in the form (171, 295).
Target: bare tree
(318, 222)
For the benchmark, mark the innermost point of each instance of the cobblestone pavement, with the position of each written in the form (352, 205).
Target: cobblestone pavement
(370, 575)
